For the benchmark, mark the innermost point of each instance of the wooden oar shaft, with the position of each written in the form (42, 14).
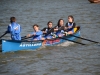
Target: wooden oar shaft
(73, 41)
(85, 39)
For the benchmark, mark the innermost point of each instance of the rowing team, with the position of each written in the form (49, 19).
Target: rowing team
(48, 32)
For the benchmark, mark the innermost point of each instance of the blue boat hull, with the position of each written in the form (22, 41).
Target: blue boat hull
(10, 45)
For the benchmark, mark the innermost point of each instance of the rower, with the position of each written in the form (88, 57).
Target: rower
(70, 25)
(59, 29)
(37, 34)
(48, 31)
(14, 29)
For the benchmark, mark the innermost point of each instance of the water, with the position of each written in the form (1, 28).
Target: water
(66, 59)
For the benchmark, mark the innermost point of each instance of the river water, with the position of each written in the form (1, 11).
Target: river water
(67, 59)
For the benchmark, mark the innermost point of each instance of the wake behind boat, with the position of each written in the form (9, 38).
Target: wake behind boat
(11, 45)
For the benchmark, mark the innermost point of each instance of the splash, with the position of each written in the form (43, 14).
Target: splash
(67, 43)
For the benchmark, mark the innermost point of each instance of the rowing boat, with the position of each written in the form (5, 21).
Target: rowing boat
(13, 45)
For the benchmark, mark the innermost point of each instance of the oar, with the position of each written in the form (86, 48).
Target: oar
(85, 39)
(72, 41)
(3, 35)
(60, 38)
(51, 30)
(23, 38)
